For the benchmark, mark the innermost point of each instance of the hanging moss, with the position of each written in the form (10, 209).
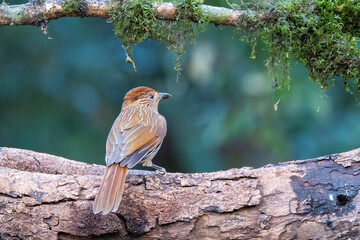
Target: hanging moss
(134, 21)
(321, 34)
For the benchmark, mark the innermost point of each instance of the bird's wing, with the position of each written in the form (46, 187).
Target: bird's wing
(149, 150)
(135, 134)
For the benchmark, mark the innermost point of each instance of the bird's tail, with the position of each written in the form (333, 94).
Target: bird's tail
(111, 189)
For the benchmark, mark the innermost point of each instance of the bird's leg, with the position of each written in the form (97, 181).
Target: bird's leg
(148, 163)
(159, 170)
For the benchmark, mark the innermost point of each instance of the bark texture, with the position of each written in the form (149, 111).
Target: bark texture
(48, 197)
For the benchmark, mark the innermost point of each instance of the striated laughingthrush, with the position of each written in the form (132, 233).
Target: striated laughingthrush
(136, 136)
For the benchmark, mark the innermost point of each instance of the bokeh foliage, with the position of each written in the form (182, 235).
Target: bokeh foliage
(61, 96)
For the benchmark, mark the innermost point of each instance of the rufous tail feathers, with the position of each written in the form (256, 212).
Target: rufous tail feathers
(111, 189)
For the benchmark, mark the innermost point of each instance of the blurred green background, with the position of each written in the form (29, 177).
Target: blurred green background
(61, 97)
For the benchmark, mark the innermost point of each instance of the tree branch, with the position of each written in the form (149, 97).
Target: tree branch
(48, 197)
(38, 12)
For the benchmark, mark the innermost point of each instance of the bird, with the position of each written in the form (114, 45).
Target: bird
(136, 136)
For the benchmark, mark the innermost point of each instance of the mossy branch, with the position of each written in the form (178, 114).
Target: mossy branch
(37, 12)
(323, 35)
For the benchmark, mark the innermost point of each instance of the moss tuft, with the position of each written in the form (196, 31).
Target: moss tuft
(75, 6)
(135, 20)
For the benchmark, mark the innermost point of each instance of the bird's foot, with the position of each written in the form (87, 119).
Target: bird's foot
(161, 171)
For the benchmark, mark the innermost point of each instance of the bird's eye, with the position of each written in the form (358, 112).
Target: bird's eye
(151, 96)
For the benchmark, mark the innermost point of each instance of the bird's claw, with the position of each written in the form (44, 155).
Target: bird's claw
(160, 171)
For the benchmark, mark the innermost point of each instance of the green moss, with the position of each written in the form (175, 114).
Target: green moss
(321, 34)
(75, 6)
(135, 20)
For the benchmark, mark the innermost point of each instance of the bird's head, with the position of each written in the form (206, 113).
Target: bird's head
(144, 96)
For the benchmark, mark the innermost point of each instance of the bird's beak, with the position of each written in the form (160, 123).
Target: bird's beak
(164, 96)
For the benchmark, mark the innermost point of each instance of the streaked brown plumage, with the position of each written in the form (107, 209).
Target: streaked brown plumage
(136, 136)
